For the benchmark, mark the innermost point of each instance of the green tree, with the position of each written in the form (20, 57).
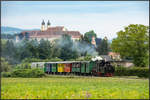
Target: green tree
(33, 47)
(103, 47)
(55, 49)
(44, 49)
(88, 36)
(8, 51)
(7, 36)
(5, 66)
(133, 42)
(66, 45)
(24, 49)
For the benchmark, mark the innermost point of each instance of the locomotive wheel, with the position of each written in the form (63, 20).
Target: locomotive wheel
(99, 74)
(108, 74)
(94, 73)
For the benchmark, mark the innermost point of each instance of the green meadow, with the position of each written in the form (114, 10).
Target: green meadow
(61, 87)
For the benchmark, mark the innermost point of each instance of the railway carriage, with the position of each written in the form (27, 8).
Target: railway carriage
(96, 68)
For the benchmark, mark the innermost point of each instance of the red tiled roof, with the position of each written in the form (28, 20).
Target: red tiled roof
(52, 32)
(113, 53)
(57, 28)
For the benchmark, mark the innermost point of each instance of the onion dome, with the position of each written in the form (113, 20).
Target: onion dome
(105, 38)
(43, 23)
(48, 23)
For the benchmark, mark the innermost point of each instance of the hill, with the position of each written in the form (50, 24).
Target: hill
(12, 30)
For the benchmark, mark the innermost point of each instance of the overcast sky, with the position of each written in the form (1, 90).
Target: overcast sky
(104, 17)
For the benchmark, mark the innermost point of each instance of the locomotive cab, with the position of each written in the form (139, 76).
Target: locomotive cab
(102, 68)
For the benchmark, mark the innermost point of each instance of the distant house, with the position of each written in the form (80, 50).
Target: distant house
(114, 56)
(106, 58)
(114, 59)
(124, 63)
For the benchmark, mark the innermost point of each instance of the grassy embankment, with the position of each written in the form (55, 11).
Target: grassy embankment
(61, 87)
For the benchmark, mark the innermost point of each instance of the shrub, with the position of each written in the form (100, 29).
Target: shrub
(55, 59)
(29, 60)
(6, 74)
(36, 73)
(133, 71)
(5, 66)
(24, 65)
(27, 73)
(80, 59)
(142, 72)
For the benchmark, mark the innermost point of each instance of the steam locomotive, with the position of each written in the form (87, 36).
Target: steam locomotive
(94, 68)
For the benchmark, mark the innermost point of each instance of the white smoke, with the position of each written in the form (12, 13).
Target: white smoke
(81, 48)
(84, 48)
(97, 58)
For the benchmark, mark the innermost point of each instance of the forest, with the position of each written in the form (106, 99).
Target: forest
(61, 49)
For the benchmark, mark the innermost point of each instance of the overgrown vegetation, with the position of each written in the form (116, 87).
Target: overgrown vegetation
(133, 71)
(5, 66)
(25, 73)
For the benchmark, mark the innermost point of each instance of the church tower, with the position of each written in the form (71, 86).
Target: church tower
(105, 38)
(93, 41)
(48, 24)
(43, 26)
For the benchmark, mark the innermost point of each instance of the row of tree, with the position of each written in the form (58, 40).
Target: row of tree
(132, 43)
(64, 48)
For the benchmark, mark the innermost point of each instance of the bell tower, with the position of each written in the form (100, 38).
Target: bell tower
(43, 26)
(105, 38)
(48, 24)
(93, 41)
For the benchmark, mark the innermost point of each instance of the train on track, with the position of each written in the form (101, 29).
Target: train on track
(94, 68)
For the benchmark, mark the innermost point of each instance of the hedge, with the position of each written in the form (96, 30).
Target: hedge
(133, 71)
(6, 74)
(27, 73)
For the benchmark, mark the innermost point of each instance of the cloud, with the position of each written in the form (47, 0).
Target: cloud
(104, 24)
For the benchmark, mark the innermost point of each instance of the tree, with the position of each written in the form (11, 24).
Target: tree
(103, 47)
(133, 42)
(33, 47)
(55, 50)
(7, 36)
(5, 66)
(88, 36)
(66, 44)
(24, 49)
(8, 51)
(44, 49)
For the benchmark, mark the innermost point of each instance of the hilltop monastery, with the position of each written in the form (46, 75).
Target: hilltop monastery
(48, 33)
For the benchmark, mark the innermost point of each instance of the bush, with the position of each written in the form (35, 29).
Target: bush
(5, 66)
(133, 71)
(24, 65)
(54, 59)
(142, 72)
(27, 73)
(29, 60)
(6, 74)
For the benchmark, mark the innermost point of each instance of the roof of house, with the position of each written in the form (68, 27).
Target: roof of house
(113, 53)
(106, 57)
(51, 33)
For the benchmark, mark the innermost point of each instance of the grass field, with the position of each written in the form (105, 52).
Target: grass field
(74, 88)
